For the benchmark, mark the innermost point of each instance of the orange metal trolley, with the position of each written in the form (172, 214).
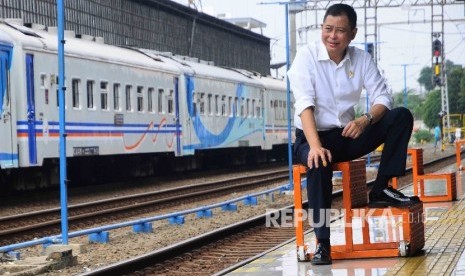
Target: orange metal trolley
(410, 221)
(458, 146)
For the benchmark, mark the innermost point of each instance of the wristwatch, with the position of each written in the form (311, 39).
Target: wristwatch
(369, 117)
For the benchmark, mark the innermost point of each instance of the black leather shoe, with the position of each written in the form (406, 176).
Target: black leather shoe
(391, 197)
(322, 255)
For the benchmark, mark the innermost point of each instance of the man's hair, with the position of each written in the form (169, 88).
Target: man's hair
(343, 9)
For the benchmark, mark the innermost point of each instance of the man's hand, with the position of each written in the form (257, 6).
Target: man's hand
(315, 154)
(355, 128)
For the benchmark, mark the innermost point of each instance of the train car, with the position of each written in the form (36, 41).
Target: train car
(276, 117)
(128, 111)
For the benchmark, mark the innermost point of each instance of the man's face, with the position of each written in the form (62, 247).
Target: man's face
(336, 36)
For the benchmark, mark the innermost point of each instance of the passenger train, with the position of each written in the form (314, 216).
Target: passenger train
(129, 111)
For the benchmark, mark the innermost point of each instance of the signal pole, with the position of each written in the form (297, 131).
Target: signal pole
(438, 62)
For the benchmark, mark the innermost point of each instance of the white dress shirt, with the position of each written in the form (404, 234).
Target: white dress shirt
(334, 89)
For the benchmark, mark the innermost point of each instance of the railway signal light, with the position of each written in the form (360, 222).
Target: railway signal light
(437, 47)
(437, 81)
(436, 69)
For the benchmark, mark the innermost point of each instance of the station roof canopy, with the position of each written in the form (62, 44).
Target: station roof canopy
(247, 23)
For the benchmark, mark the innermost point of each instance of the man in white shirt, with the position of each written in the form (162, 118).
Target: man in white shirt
(327, 79)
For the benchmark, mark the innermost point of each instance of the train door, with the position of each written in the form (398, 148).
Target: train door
(191, 113)
(261, 116)
(31, 111)
(176, 118)
(8, 158)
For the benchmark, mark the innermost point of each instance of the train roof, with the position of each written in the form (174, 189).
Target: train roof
(195, 67)
(41, 40)
(16, 34)
(272, 83)
(268, 82)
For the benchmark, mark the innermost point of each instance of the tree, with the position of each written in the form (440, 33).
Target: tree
(431, 109)
(454, 89)
(461, 94)
(425, 78)
(414, 102)
(426, 73)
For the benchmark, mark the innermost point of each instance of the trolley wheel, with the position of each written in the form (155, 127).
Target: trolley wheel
(403, 248)
(302, 254)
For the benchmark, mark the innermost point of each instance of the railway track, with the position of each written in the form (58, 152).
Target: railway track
(26, 226)
(223, 250)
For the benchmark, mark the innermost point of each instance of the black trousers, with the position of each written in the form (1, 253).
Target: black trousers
(394, 130)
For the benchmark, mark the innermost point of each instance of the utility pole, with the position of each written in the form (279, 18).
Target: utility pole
(62, 121)
(292, 33)
(404, 66)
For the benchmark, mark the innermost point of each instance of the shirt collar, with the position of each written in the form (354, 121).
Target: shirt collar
(323, 54)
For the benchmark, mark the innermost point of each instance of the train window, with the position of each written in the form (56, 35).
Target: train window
(128, 97)
(170, 102)
(242, 107)
(140, 98)
(223, 105)
(7, 95)
(209, 104)
(44, 86)
(235, 107)
(253, 108)
(247, 108)
(116, 97)
(202, 103)
(274, 105)
(160, 100)
(284, 110)
(150, 99)
(75, 91)
(217, 109)
(103, 95)
(229, 106)
(43, 80)
(194, 105)
(90, 94)
(259, 112)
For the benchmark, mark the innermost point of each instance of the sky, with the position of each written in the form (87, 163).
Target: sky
(399, 43)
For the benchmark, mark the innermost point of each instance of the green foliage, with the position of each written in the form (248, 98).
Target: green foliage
(431, 108)
(426, 75)
(423, 135)
(456, 92)
(425, 78)
(461, 94)
(414, 103)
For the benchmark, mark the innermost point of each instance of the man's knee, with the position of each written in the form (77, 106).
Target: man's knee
(404, 113)
(402, 116)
